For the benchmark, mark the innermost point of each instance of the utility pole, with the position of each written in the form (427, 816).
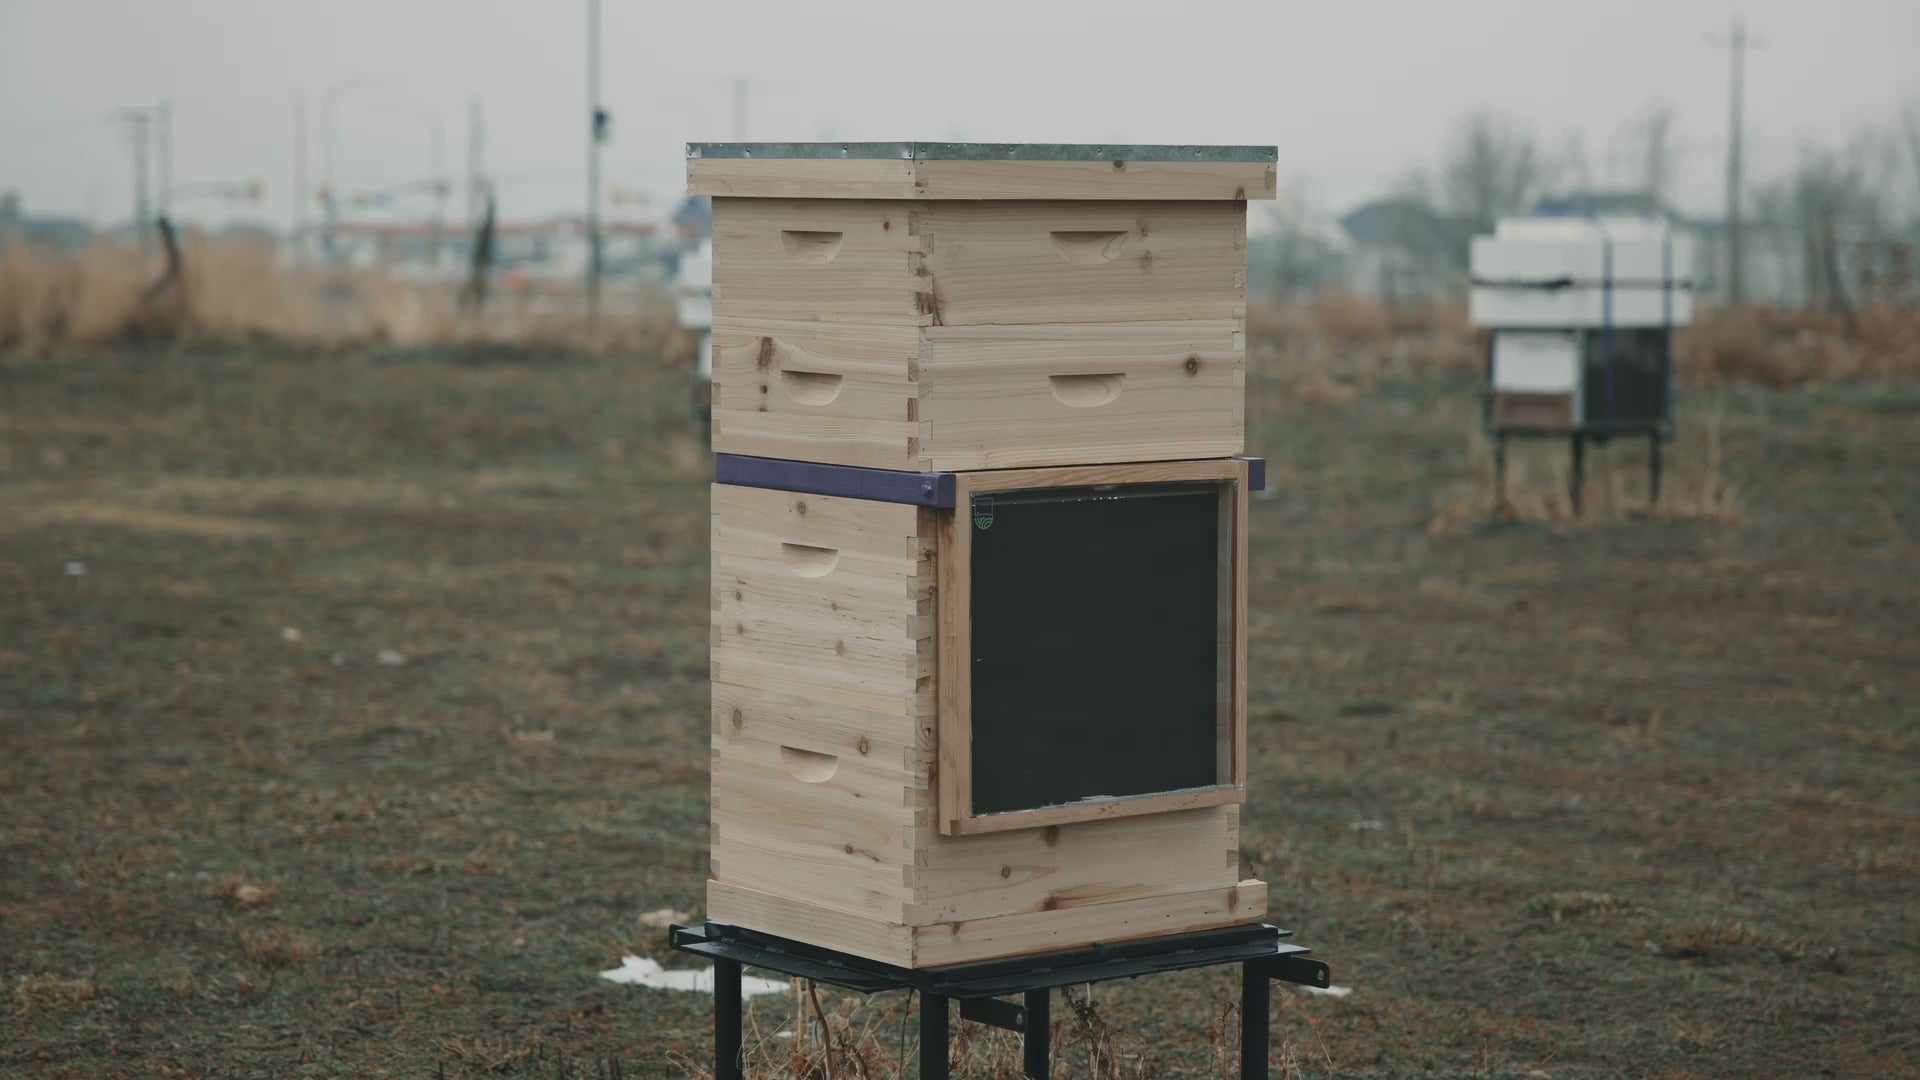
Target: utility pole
(1737, 44)
(476, 138)
(330, 220)
(740, 91)
(301, 240)
(165, 157)
(139, 128)
(596, 133)
(436, 169)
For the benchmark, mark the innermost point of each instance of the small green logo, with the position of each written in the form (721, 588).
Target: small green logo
(983, 514)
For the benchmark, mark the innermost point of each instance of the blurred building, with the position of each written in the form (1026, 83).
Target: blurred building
(57, 233)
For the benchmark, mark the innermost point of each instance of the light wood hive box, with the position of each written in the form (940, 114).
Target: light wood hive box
(932, 314)
(1032, 326)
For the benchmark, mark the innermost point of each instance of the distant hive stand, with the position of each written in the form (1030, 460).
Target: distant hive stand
(1580, 314)
(979, 544)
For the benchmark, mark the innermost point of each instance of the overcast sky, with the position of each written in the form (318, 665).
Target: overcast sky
(1354, 93)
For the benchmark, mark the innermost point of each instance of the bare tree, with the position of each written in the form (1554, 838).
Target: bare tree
(1491, 168)
(1653, 152)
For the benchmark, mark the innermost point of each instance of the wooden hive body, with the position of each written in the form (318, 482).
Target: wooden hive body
(975, 321)
(861, 320)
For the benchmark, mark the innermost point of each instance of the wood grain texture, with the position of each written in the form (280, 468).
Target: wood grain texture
(954, 734)
(761, 271)
(786, 916)
(996, 396)
(1004, 262)
(899, 178)
(992, 937)
(782, 178)
(840, 836)
(1130, 806)
(959, 878)
(1230, 181)
(1070, 927)
(928, 335)
(828, 764)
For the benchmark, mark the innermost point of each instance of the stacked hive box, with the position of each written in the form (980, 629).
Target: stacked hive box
(901, 333)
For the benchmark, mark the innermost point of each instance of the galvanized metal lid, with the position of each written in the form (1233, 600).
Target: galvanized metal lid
(956, 151)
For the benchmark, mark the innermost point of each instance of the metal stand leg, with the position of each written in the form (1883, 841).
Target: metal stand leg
(726, 1020)
(1499, 471)
(1653, 466)
(933, 1037)
(1579, 474)
(1254, 991)
(1039, 1034)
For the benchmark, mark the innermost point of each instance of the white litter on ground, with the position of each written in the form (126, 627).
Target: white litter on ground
(1329, 991)
(645, 972)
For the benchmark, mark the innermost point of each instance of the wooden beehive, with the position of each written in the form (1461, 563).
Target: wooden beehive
(938, 738)
(943, 308)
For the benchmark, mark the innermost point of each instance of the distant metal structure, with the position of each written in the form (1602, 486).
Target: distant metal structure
(330, 193)
(137, 122)
(1580, 315)
(596, 134)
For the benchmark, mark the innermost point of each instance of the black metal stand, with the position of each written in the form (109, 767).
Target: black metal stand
(1258, 948)
(1579, 438)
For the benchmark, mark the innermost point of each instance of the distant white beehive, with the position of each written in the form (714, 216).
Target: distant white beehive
(1582, 272)
(1581, 312)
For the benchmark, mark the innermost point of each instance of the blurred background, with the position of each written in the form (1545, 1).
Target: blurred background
(367, 141)
(354, 513)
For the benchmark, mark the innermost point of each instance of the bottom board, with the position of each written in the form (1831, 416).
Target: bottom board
(989, 938)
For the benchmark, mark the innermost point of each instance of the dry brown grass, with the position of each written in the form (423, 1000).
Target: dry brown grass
(1782, 348)
(817, 1038)
(276, 946)
(1329, 349)
(237, 294)
(42, 993)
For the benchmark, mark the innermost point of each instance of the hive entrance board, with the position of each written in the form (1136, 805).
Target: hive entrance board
(1097, 666)
(1097, 636)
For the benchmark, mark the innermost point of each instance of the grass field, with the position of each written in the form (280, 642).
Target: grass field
(353, 706)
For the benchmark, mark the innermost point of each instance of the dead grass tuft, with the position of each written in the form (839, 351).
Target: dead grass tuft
(1784, 348)
(1567, 906)
(45, 993)
(1894, 742)
(235, 295)
(1716, 941)
(487, 1055)
(276, 946)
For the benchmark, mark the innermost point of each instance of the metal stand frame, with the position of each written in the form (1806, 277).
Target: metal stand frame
(1258, 948)
(1577, 475)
